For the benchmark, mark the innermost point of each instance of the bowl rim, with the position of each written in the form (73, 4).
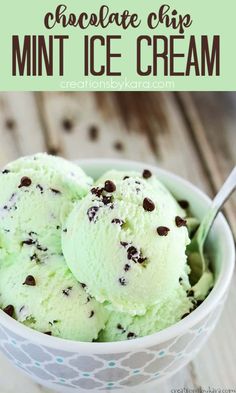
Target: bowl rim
(154, 339)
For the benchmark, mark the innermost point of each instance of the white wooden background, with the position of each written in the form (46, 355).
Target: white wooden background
(193, 135)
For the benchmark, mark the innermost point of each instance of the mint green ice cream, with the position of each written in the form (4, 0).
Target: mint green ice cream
(126, 240)
(37, 193)
(103, 262)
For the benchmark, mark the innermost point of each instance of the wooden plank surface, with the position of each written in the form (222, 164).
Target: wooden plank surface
(193, 135)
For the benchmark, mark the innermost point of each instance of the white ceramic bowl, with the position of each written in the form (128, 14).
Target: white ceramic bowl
(69, 366)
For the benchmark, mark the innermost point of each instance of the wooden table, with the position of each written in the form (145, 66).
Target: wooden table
(193, 135)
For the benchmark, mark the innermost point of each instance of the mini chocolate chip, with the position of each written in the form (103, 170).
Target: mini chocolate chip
(97, 191)
(118, 146)
(67, 124)
(88, 299)
(40, 248)
(28, 242)
(9, 310)
(109, 186)
(32, 233)
(93, 132)
(40, 188)
(180, 280)
(55, 191)
(147, 174)
(124, 244)
(190, 293)
(184, 204)
(131, 335)
(107, 199)
(65, 230)
(132, 252)
(117, 221)
(30, 280)
(180, 222)
(148, 205)
(58, 227)
(185, 315)
(91, 213)
(120, 327)
(126, 177)
(5, 207)
(25, 182)
(48, 333)
(21, 309)
(66, 291)
(83, 285)
(122, 281)
(5, 172)
(163, 231)
(127, 267)
(91, 314)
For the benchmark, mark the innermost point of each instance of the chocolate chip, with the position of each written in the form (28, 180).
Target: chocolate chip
(185, 315)
(25, 182)
(109, 186)
(180, 280)
(66, 291)
(58, 227)
(67, 124)
(147, 174)
(30, 280)
(91, 213)
(5, 172)
(91, 314)
(97, 191)
(117, 221)
(184, 204)
(131, 335)
(148, 205)
(65, 230)
(127, 267)
(120, 327)
(88, 299)
(83, 285)
(28, 242)
(9, 310)
(122, 281)
(132, 252)
(163, 231)
(40, 188)
(55, 191)
(124, 244)
(126, 177)
(93, 132)
(40, 248)
(48, 333)
(107, 199)
(180, 222)
(190, 293)
(118, 146)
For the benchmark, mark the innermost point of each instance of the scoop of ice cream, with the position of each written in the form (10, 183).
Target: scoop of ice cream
(123, 326)
(37, 192)
(47, 298)
(126, 241)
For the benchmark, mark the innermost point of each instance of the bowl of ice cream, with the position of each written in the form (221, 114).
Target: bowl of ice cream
(82, 266)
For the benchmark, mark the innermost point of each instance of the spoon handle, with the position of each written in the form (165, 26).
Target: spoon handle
(226, 190)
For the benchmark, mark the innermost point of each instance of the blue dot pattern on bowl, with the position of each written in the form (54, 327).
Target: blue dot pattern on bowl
(106, 372)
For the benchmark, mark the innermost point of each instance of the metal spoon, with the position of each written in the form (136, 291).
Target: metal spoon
(200, 274)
